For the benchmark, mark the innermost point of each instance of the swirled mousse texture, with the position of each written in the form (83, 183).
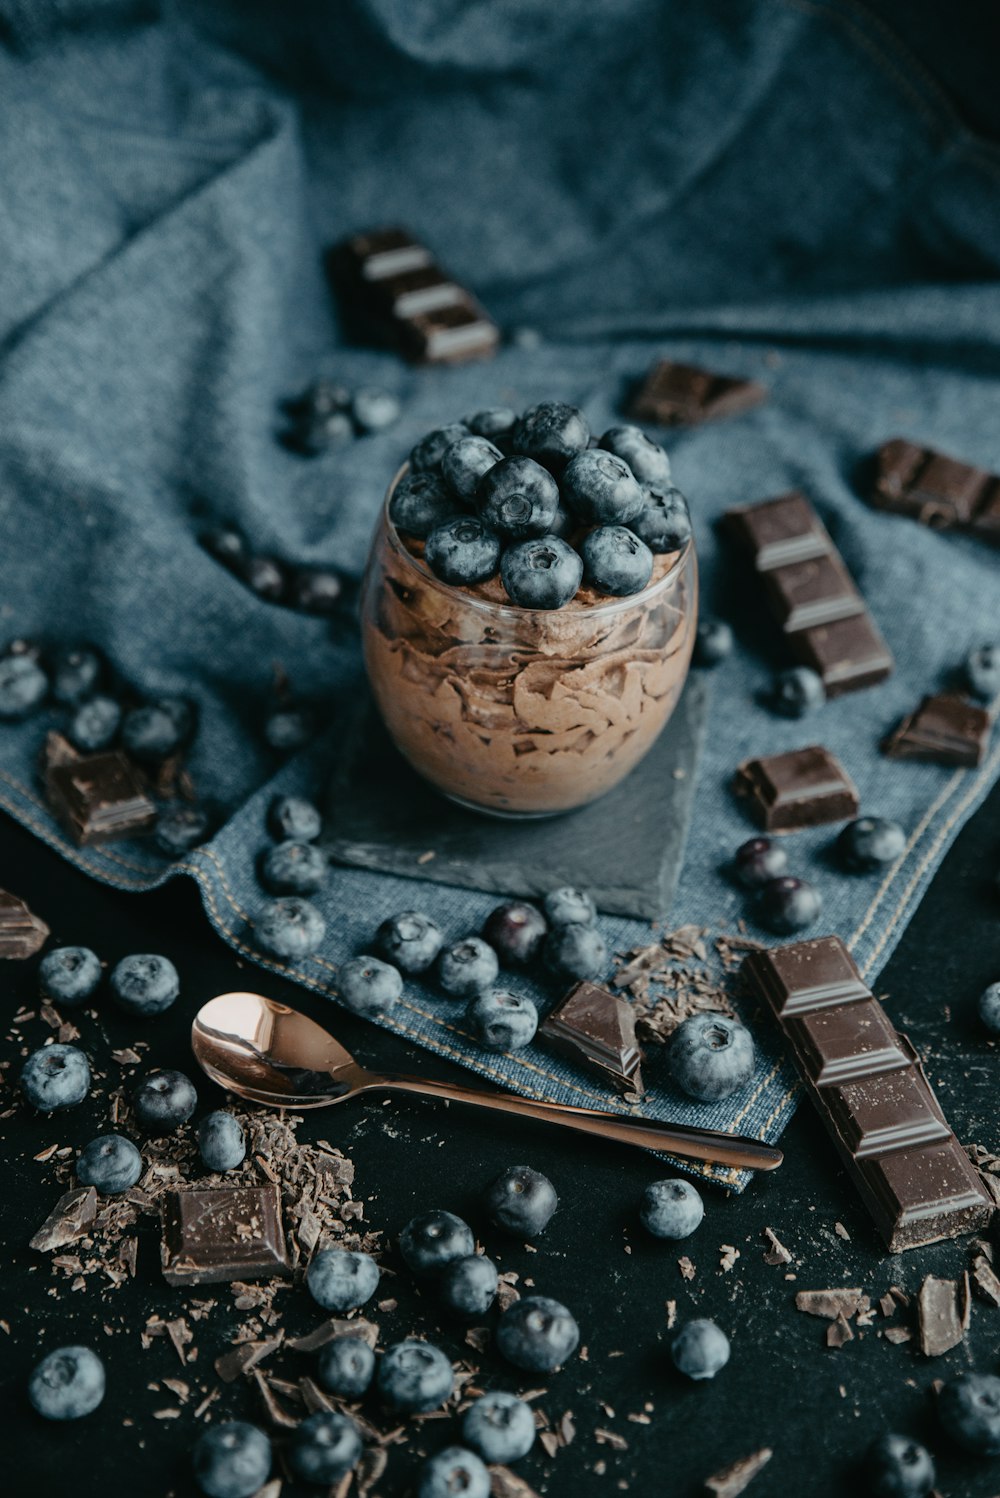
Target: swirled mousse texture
(518, 711)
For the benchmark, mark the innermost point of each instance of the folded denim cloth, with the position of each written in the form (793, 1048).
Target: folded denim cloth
(780, 192)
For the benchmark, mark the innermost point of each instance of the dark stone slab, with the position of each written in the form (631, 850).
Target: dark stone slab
(626, 849)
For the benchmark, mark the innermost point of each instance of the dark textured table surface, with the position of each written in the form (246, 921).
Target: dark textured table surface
(816, 1407)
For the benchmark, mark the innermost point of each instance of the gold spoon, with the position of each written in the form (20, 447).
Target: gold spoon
(274, 1055)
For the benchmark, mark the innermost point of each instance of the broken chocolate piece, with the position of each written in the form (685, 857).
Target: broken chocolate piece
(938, 1316)
(596, 1029)
(733, 1480)
(22, 934)
(215, 1233)
(683, 395)
(939, 492)
(802, 788)
(846, 655)
(830, 1304)
(72, 1217)
(100, 797)
(945, 729)
(244, 1357)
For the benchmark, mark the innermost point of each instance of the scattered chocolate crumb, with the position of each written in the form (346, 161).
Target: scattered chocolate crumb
(671, 1313)
(776, 1252)
(686, 1268)
(610, 1438)
(507, 1484)
(478, 1337)
(841, 1232)
(898, 1334)
(729, 1256)
(887, 1305)
(669, 980)
(734, 1479)
(939, 1317)
(839, 1332)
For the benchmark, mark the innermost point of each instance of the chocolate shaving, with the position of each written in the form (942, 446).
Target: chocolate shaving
(244, 1357)
(71, 1218)
(329, 1331)
(939, 1318)
(273, 1408)
(898, 1334)
(776, 1253)
(507, 1484)
(734, 1479)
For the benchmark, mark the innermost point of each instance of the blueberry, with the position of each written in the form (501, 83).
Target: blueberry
(469, 1286)
(563, 524)
(797, 692)
(463, 551)
(23, 687)
(95, 724)
(710, 1056)
(982, 672)
(373, 409)
(315, 590)
(293, 869)
(517, 498)
(515, 931)
(57, 1076)
(551, 433)
(542, 573)
(67, 1384)
(521, 1200)
(221, 1141)
(265, 576)
(432, 1241)
(671, 1209)
(145, 983)
(713, 643)
(615, 561)
(759, 860)
(316, 431)
(601, 489)
(664, 522)
(181, 828)
(969, 1409)
(369, 987)
(499, 1427)
(870, 843)
(898, 1467)
(426, 457)
(453, 1471)
(347, 1367)
(567, 906)
(163, 1101)
(989, 1008)
(496, 422)
(575, 951)
(325, 1447)
(502, 1021)
(468, 967)
(645, 457)
(69, 975)
(294, 819)
(153, 732)
(537, 1334)
(700, 1349)
(464, 464)
(226, 544)
(322, 397)
(290, 728)
(232, 1460)
(75, 675)
(410, 941)
(414, 1377)
(785, 905)
(290, 928)
(339, 1280)
(420, 503)
(110, 1162)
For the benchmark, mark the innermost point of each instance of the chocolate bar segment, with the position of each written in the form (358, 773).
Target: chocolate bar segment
(22, 933)
(217, 1233)
(684, 395)
(801, 788)
(596, 1029)
(940, 492)
(819, 591)
(779, 532)
(872, 1095)
(847, 655)
(100, 797)
(945, 729)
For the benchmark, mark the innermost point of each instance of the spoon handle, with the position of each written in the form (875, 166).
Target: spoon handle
(677, 1139)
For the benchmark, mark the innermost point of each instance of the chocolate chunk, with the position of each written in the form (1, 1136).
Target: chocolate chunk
(100, 797)
(22, 933)
(449, 334)
(72, 1217)
(218, 1233)
(916, 1180)
(940, 492)
(683, 395)
(846, 655)
(946, 729)
(938, 1316)
(802, 788)
(733, 1480)
(596, 1029)
(830, 1304)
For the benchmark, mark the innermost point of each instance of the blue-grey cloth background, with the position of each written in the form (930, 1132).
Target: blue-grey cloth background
(785, 189)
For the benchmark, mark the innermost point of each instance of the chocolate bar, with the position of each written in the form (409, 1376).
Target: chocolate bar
(940, 492)
(596, 1029)
(945, 729)
(801, 788)
(22, 933)
(683, 395)
(100, 797)
(389, 284)
(810, 592)
(867, 1083)
(216, 1233)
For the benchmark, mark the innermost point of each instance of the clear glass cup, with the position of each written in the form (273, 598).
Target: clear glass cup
(521, 712)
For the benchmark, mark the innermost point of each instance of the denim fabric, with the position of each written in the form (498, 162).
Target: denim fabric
(774, 189)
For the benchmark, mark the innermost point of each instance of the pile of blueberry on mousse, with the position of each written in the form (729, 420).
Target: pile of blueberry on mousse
(536, 498)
